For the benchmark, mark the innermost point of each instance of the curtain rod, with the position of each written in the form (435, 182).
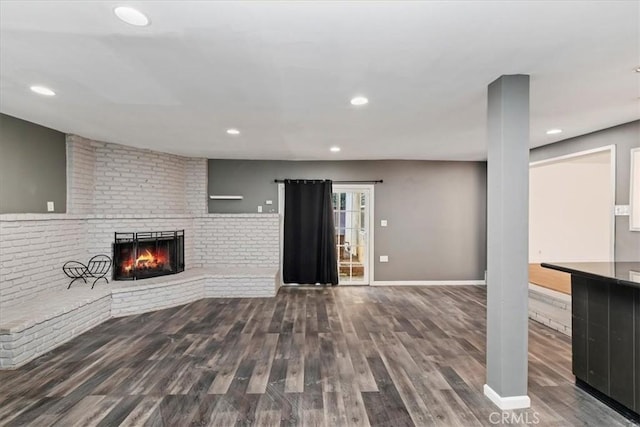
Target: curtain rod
(377, 181)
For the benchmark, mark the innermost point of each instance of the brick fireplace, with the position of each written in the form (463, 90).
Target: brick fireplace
(147, 254)
(107, 194)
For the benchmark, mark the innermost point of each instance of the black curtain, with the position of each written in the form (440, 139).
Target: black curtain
(309, 237)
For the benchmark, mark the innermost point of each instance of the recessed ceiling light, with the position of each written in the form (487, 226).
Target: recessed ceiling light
(131, 16)
(638, 70)
(334, 149)
(41, 90)
(233, 131)
(554, 131)
(359, 100)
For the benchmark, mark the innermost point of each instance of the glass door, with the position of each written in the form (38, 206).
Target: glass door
(351, 210)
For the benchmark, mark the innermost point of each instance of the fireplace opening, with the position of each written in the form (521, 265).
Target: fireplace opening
(147, 254)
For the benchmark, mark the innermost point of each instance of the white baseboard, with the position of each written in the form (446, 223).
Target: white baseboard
(507, 403)
(426, 282)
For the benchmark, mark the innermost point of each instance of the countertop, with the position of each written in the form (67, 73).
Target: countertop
(621, 273)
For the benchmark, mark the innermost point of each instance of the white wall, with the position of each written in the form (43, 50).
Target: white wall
(570, 209)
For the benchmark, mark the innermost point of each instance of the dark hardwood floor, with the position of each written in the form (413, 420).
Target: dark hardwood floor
(341, 356)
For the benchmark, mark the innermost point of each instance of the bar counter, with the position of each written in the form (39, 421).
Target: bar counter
(605, 309)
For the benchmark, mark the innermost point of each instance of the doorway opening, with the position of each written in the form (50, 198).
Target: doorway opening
(571, 213)
(352, 218)
(353, 223)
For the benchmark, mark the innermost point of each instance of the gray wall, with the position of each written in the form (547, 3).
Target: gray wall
(436, 211)
(32, 167)
(624, 137)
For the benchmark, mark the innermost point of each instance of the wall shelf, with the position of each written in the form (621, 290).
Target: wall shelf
(223, 197)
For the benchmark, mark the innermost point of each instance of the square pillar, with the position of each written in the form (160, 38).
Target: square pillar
(507, 242)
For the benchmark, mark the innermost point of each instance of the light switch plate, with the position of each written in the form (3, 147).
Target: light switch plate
(50, 207)
(383, 223)
(622, 210)
(384, 258)
(260, 209)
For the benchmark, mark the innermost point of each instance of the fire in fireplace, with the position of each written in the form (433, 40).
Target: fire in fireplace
(147, 254)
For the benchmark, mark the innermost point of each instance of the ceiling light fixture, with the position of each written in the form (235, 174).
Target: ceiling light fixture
(131, 16)
(554, 131)
(334, 149)
(638, 70)
(359, 100)
(41, 90)
(233, 131)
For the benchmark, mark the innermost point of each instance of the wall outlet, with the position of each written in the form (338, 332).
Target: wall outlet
(260, 209)
(50, 207)
(383, 223)
(384, 258)
(622, 210)
(269, 202)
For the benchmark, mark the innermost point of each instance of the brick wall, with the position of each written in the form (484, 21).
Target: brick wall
(237, 239)
(33, 248)
(140, 300)
(81, 163)
(105, 178)
(196, 187)
(44, 336)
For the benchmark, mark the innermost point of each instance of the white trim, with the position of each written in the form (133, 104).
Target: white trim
(634, 173)
(281, 215)
(507, 403)
(427, 282)
(612, 149)
(612, 253)
(370, 229)
(572, 155)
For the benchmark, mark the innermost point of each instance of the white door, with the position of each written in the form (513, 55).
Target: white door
(352, 210)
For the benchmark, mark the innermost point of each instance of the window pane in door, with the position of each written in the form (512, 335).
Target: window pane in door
(351, 222)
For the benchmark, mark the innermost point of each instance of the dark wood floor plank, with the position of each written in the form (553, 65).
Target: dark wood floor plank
(88, 411)
(229, 364)
(335, 413)
(402, 368)
(120, 411)
(386, 405)
(41, 407)
(325, 356)
(141, 413)
(349, 346)
(262, 368)
(294, 382)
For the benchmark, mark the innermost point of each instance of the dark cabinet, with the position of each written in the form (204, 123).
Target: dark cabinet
(606, 338)
(636, 355)
(621, 346)
(598, 336)
(579, 309)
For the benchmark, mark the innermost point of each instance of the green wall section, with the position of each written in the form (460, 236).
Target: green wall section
(32, 167)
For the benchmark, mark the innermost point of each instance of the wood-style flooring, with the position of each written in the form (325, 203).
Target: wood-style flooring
(342, 356)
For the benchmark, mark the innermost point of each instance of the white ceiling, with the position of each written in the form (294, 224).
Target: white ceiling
(284, 72)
